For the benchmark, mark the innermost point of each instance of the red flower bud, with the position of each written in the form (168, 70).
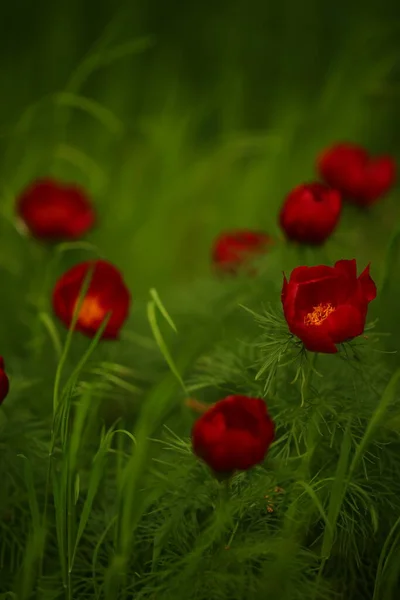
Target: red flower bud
(325, 306)
(310, 213)
(361, 178)
(234, 434)
(54, 211)
(107, 293)
(4, 382)
(233, 249)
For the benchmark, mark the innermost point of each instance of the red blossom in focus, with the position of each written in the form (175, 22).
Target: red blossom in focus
(54, 211)
(4, 382)
(325, 306)
(361, 178)
(310, 213)
(234, 434)
(107, 293)
(233, 249)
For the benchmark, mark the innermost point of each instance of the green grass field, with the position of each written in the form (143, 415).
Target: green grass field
(183, 120)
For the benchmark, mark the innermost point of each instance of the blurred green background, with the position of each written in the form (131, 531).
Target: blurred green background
(184, 119)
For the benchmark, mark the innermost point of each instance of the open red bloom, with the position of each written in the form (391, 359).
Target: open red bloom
(4, 382)
(107, 293)
(310, 213)
(234, 248)
(325, 306)
(361, 178)
(234, 434)
(54, 211)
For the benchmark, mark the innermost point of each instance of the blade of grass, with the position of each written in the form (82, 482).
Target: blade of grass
(152, 318)
(92, 108)
(388, 550)
(162, 309)
(338, 491)
(82, 294)
(384, 403)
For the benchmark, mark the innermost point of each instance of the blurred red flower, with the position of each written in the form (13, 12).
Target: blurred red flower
(54, 211)
(233, 249)
(361, 178)
(325, 306)
(4, 382)
(234, 434)
(310, 213)
(107, 293)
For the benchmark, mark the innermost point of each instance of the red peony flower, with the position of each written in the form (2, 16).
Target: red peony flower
(234, 248)
(234, 434)
(4, 382)
(325, 306)
(107, 293)
(54, 211)
(310, 213)
(361, 178)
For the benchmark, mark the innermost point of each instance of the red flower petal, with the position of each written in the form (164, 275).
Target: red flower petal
(308, 287)
(345, 323)
(380, 175)
(307, 274)
(4, 382)
(234, 434)
(319, 291)
(348, 271)
(316, 339)
(324, 306)
(54, 211)
(348, 267)
(310, 213)
(367, 284)
(361, 178)
(233, 249)
(238, 453)
(107, 294)
(342, 166)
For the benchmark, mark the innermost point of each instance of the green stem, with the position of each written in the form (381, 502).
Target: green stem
(69, 507)
(47, 492)
(225, 491)
(319, 577)
(308, 377)
(224, 495)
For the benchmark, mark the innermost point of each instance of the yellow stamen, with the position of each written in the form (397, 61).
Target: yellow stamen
(91, 311)
(319, 314)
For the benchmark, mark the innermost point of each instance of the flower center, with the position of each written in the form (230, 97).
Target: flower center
(91, 311)
(319, 314)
